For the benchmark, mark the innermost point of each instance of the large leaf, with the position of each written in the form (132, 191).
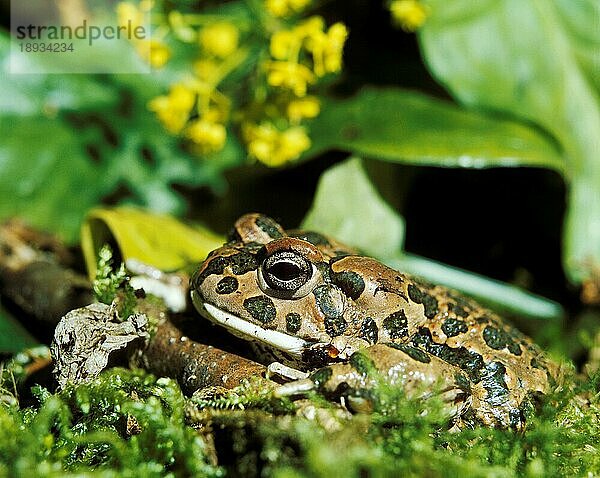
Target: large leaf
(45, 175)
(403, 126)
(348, 207)
(534, 61)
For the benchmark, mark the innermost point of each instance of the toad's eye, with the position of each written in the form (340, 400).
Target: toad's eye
(284, 273)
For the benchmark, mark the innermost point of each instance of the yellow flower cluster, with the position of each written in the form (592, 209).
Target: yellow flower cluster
(269, 115)
(287, 70)
(274, 147)
(153, 50)
(219, 53)
(409, 14)
(285, 8)
(206, 132)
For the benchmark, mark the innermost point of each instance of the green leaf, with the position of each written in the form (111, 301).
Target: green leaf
(13, 337)
(407, 127)
(45, 175)
(348, 207)
(532, 60)
(580, 19)
(55, 167)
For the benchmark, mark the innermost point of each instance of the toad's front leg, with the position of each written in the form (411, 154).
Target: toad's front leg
(421, 375)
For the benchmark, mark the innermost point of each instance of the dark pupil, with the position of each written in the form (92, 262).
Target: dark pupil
(285, 271)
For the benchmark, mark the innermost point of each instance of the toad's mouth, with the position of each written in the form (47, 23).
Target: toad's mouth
(294, 346)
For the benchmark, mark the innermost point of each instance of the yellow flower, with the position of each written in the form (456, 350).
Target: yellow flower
(273, 147)
(294, 141)
(336, 36)
(409, 14)
(290, 75)
(307, 107)
(220, 39)
(283, 44)
(207, 136)
(173, 110)
(155, 52)
(327, 49)
(285, 8)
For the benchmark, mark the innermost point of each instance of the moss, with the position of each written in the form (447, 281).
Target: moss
(110, 285)
(122, 424)
(131, 424)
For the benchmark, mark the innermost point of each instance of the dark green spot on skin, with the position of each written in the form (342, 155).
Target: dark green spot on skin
(471, 362)
(431, 306)
(369, 331)
(454, 327)
(326, 303)
(429, 302)
(215, 266)
(462, 381)
(335, 326)
(261, 308)
(269, 226)
(413, 352)
(350, 282)
(252, 248)
(492, 379)
(293, 321)
(415, 294)
(497, 339)
(494, 338)
(396, 325)
(321, 376)
(227, 285)
(242, 263)
(362, 364)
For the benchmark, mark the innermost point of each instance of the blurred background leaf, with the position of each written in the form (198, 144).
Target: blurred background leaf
(408, 127)
(13, 336)
(348, 207)
(534, 61)
(69, 141)
(45, 175)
